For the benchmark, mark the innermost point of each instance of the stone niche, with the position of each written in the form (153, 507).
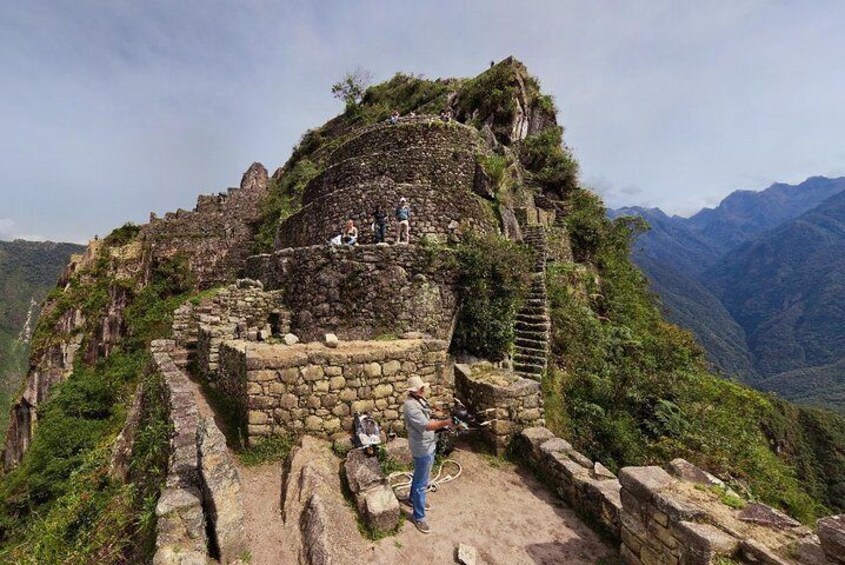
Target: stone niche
(433, 164)
(361, 292)
(508, 400)
(316, 389)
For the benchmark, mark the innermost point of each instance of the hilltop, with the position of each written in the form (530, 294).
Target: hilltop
(174, 353)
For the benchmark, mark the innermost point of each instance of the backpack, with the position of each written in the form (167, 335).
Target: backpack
(367, 431)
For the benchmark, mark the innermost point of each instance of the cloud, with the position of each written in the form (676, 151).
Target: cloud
(118, 108)
(7, 228)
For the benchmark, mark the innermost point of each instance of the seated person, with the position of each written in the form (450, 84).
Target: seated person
(349, 235)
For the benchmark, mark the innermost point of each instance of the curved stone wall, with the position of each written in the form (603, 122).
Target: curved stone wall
(361, 292)
(431, 163)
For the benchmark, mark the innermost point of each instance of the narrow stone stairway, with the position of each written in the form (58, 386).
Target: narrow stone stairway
(532, 321)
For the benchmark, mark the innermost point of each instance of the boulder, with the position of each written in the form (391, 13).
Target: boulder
(399, 450)
(763, 515)
(379, 507)
(602, 472)
(831, 532)
(686, 471)
(290, 339)
(362, 471)
(331, 340)
(221, 486)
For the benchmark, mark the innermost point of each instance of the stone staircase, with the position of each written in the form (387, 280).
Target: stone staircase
(532, 321)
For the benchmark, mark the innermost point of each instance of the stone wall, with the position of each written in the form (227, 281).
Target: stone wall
(589, 488)
(361, 292)
(201, 496)
(239, 311)
(316, 389)
(510, 402)
(432, 164)
(216, 236)
(682, 518)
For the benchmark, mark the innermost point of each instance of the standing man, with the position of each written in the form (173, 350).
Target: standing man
(422, 441)
(403, 217)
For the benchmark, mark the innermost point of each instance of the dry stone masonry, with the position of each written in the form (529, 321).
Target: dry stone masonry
(216, 236)
(508, 401)
(432, 164)
(588, 487)
(362, 292)
(315, 389)
(200, 512)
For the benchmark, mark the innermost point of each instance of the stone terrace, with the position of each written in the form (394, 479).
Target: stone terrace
(361, 292)
(431, 163)
(317, 389)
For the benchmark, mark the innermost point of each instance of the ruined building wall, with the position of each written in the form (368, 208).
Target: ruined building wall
(216, 236)
(361, 292)
(432, 164)
(315, 389)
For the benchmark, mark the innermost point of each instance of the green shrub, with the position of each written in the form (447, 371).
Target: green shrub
(122, 235)
(551, 164)
(493, 280)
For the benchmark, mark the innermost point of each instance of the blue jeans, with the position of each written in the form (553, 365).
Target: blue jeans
(419, 484)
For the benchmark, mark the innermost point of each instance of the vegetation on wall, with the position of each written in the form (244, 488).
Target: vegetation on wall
(492, 282)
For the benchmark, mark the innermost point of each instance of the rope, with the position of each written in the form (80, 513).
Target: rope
(433, 483)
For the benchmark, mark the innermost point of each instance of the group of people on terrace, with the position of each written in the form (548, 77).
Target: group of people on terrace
(402, 215)
(445, 115)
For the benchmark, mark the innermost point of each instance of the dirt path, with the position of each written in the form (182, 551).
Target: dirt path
(261, 490)
(506, 514)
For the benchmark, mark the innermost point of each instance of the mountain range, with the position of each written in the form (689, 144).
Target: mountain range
(760, 281)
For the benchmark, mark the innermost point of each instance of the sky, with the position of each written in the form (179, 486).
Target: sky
(112, 109)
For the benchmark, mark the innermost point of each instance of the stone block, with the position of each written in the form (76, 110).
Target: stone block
(362, 471)
(321, 386)
(330, 340)
(290, 375)
(391, 367)
(380, 508)
(262, 375)
(704, 542)
(312, 373)
(372, 370)
(756, 552)
(290, 339)
(382, 391)
(313, 423)
(348, 395)
(831, 531)
(361, 406)
(258, 417)
(644, 482)
(399, 450)
(764, 515)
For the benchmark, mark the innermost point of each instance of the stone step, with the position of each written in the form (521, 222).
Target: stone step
(533, 325)
(536, 356)
(529, 371)
(535, 335)
(532, 317)
(536, 310)
(528, 343)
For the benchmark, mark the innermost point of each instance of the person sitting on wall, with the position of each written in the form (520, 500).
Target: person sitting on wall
(394, 117)
(403, 217)
(422, 441)
(379, 224)
(349, 235)
(446, 115)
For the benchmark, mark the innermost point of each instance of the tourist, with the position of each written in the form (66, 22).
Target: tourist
(349, 235)
(446, 115)
(422, 441)
(394, 117)
(403, 217)
(379, 224)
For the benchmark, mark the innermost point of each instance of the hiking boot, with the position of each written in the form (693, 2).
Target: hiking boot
(422, 526)
(407, 502)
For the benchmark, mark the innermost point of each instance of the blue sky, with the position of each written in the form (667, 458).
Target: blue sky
(112, 109)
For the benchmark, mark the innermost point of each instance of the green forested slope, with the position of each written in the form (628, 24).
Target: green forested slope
(28, 270)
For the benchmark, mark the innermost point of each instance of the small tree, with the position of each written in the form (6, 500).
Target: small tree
(351, 88)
